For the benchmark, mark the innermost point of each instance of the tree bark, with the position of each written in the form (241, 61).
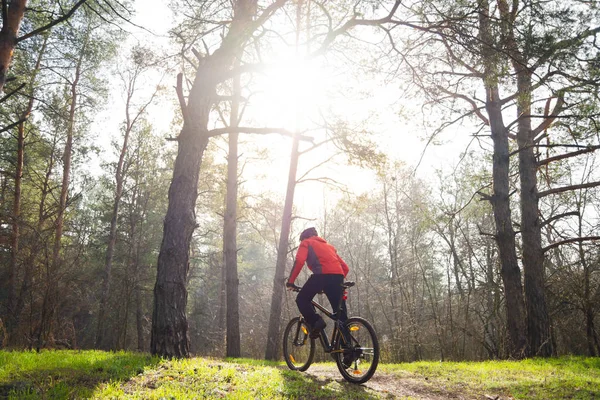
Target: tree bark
(505, 234)
(112, 235)
(538, 322)
(8, 35)
(169, 323)
(273, 335)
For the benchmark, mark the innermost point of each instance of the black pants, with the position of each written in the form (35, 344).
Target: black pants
(331, 285)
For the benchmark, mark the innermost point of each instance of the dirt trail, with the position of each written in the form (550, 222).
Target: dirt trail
(394, 386)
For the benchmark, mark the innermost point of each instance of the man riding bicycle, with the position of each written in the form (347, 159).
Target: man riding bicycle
(328, 273)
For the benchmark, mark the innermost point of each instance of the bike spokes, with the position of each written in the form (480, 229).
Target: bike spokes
(359, 360)
(298, 347)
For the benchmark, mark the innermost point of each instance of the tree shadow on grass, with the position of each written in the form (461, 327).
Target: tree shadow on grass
(73, 375)
(302, 385)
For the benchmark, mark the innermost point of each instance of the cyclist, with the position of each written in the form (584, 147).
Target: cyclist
(328, 273)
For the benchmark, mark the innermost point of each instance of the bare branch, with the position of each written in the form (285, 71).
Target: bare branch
(334, 33)
(259, 131)
(474, 106)
(2, 100)
(9, 127)
(572, 240)
(197, 54)
(550, 119)
(314, 167)
(568, 188)
(567, 155)
(182, 104)
(554, 218)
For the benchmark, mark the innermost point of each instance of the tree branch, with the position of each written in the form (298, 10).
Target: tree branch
(334, 33)
(259, 131)
(476, 109)
(9, 127)
(572, 240)
(568, 188)
(550, 119)
(2, 100)
(52, 23)
(567, 155)
(181, 98)
(554, 218)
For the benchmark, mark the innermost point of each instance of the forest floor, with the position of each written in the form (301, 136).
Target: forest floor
(122, 375)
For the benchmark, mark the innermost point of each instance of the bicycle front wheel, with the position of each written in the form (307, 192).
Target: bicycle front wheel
(358, 360)
(298, 347)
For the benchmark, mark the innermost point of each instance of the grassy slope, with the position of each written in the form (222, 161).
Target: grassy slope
(556, 378)
(96, 374)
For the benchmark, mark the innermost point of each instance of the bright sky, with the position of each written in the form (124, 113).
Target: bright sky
(312, 85)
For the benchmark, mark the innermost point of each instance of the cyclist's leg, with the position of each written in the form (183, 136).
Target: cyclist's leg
(334, 291)
(313, 285)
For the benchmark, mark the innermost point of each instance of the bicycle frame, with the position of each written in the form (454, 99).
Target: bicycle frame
(353, 342)
(328, 346)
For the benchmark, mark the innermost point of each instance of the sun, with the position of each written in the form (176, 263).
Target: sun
(290, 93)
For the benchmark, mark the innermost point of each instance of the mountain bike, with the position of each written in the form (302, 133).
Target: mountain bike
(353, 344)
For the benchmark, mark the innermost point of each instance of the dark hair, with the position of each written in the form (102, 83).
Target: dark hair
(308, 233)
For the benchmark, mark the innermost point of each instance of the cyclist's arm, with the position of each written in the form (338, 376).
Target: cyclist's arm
(299, 263)
(344, 266)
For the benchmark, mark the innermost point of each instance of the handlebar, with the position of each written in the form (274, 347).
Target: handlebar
(295, 288)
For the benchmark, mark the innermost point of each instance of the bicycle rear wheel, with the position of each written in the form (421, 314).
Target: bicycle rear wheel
(298, 347)
(358, 361)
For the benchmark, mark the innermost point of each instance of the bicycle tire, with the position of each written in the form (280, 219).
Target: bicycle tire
(298, 355)
(364, 348)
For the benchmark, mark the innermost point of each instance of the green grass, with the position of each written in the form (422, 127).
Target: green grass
(65, 374)
(200, 378)
(122, 375)
(554, 378)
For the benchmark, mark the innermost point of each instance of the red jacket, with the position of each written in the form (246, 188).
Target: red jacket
(321, 258)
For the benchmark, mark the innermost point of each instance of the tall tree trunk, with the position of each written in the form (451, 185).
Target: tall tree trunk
(112, 235)
(273, 335)
(505, 234)
(139, 318)
(11, 320)
(232, 283)
(51, 292)
(15, 10)
(39, 243)
(222, 311)
(14, 301)
(538, 321)
(169, 323)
